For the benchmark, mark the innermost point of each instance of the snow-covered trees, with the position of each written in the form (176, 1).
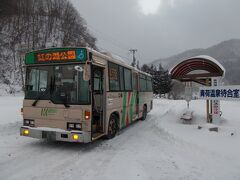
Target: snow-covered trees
(162, 82)
(30, 25)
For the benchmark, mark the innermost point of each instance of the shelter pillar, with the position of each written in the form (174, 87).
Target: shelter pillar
(208, 104)
(188, 92)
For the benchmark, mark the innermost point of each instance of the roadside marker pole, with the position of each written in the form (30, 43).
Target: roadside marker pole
(207, 105)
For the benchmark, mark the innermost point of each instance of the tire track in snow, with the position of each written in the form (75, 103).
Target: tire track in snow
(141, 151)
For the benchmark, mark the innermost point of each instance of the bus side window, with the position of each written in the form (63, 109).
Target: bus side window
(121, 74)
(135, 80)
(143, 83)
(97, 81)
(127, 79)
(149, 84)
(113, 72)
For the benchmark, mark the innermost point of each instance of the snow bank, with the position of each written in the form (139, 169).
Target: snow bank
(225, 141)
(10, 109)
(161, 147)
(10, 90)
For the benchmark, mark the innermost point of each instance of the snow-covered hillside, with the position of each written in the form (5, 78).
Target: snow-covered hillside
(161, 147)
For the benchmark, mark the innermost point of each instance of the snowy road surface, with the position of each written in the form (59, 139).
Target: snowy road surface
(152, 149)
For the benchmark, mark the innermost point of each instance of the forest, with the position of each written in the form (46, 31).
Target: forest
(28, 25)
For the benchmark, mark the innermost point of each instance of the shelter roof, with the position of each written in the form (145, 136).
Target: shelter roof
(197, 69)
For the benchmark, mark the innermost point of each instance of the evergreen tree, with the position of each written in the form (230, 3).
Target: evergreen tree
(165, 84)
(145, 68)
(162, 83)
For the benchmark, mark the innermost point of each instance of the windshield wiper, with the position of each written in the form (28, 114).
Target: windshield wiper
(66, 105)
(42, 93)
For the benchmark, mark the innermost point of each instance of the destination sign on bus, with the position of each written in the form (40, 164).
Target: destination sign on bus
(56, 56)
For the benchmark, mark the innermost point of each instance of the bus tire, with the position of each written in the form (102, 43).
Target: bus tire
(112, 126)
(144, 113)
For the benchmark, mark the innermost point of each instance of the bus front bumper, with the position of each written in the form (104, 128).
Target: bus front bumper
(55, 134)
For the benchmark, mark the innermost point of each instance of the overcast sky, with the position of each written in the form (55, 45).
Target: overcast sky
(159, 28)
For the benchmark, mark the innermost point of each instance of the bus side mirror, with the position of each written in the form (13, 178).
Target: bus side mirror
(78, 68)
(86, 72)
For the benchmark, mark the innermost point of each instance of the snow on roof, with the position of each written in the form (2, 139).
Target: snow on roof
(211, 59)
(118, 58)
(108, 54)
(206, 57)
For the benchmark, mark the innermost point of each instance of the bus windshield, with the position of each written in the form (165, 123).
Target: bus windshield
(61, 84)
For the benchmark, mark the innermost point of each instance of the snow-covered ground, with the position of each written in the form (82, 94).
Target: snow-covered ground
(161, 147)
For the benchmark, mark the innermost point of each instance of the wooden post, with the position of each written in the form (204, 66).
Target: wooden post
(211, 111)
(208, 105)
(207, 110)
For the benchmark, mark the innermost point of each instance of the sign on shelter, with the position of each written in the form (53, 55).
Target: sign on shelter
(229, 93)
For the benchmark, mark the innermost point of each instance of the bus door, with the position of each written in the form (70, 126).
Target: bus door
(97, 101)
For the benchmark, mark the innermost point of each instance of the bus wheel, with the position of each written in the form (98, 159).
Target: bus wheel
(112, 127)
(144, 114)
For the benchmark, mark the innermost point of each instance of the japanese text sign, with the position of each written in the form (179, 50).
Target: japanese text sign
(229, 93)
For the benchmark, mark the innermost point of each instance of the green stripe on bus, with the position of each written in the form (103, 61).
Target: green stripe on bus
(133, 104)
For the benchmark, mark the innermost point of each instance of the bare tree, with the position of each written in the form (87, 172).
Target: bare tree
(35, 24)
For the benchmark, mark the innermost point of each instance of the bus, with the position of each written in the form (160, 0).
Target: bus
(80, 95)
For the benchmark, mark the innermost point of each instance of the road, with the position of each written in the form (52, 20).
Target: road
(141, 151)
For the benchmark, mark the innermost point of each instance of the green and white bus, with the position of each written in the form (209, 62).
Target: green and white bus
(80, 95)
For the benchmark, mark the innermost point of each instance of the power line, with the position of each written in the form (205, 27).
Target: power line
(133, 51)
(113, 42)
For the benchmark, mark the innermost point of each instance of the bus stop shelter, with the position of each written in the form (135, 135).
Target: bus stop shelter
(203, 70)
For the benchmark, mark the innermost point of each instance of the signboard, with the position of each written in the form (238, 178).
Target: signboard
(216, 113)
(229, 93)
(113, 74)
(216, 107)
(59, 55)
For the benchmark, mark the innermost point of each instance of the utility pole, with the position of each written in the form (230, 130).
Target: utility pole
(133, 51)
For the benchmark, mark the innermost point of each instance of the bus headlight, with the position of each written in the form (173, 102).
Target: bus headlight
(28, 122)
(71, 126)
(78, 126)
(31, 123)
(74, 126)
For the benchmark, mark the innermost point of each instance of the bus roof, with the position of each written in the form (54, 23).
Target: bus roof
(115, 59)
(105, 55)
